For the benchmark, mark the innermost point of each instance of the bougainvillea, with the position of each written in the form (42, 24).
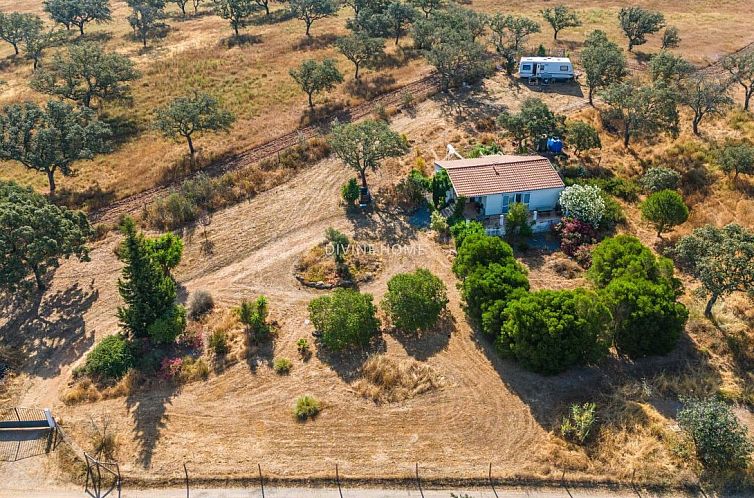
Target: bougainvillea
(574, 235)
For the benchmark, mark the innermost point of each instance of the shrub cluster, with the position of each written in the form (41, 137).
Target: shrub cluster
(343, 318)
(640, 291)
(414, 301)
(111, 358)
(201, 303)
(253, 314)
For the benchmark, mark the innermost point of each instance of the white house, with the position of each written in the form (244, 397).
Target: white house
(546, 68)
(491, 184)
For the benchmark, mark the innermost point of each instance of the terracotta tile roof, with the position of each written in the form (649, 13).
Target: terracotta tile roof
(500, 173)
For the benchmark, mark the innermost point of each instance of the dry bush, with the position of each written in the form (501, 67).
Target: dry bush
(128, 384)
(566, 268)
(193, 369)
(82, 391)
(102, 439)
(316, 265)
(388, 380)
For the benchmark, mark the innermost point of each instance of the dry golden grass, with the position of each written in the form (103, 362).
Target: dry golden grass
(389, 380)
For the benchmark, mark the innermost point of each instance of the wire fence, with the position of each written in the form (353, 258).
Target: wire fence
(25, 433)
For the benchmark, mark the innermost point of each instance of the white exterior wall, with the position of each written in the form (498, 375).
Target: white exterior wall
(539, 200)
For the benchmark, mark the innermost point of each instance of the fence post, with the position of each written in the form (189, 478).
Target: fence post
(492, 484)
(418, 481)
(337, 480)
(261, 480)
(185, 471)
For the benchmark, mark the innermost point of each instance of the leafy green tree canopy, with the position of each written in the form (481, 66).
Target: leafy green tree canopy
(487, 285)
(624, 256)
(736, 157)
(561, 17)
(14, 26)
(660, 178)
(314, 77)
(647, 319)
(550, 331)
(35, 235)
(480, 250)
(637, 23)
(667, 67)
(705, 96)
(50, 138)
(84, 73)
(603, 61)
(671, 38)
(722, 259)
(185, 116)
(361, 50)
(363, 145)
(582, 137)
(741, 68)
(78, 12)
(533, 124)
(146, 18)
(312, 10)
(721, 440)
(414, 301)
(344, 318)
(665, 209)
(235, 11)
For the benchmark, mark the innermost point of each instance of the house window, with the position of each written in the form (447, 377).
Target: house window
(564, 68)
(526, 67)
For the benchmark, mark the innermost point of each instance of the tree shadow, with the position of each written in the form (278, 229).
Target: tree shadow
(93, 197)
(316, 42)
(424, 345)
(148, 408)
(240, 40)
(98, 37)
(571, 89)
(347, 363)
(377, 224)
(321, 114)
(122, 127)
(547, 395)
(467, 107)
(48, 330)
(396, 60)
(260, 354)
(276, 16)
(371, 86)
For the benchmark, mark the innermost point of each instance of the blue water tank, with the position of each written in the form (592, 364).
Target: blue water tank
(555, 145)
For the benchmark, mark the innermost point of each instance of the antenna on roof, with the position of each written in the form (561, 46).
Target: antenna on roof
(452, 152)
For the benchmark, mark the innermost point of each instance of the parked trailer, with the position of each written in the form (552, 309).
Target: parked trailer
(546, 69)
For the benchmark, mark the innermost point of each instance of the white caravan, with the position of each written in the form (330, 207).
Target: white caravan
(546, 68)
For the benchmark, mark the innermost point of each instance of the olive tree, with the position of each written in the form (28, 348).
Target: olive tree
(78, 13)
(361, 50)
(456, 57)
(532, 124)
(509, 34)
(668, 67)
(603, 62)
(704, 96)
(85, 73)
(561, 17)
(741, 68)
(722, 259)
(312, 10)
(50, 138)
(642, 109)
(721, 441)
(314, 77)
(36, 235)
(146, 18)
(15, 25)
(736, 157)
(582, 137)
(185, 116)
(235, 11)
(660, 178)
(398, 17)
(429, 6)
(363, 145)
(637, 23)
(670, 38)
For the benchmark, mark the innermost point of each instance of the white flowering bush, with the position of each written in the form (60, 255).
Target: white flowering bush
(583, 202)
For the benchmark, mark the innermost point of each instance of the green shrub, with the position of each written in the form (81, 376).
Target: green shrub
(665, 209)
(201, 303)
(344, 318)
(438, 223)
(486, 285)
(721, 441)
(339, 243)
(550, 331)
(463, 229)
(218, 342)
(306, 407)
(415, 300)
(282, 366)
(166, 328)
(253, 314)
(647, 319)
(111, 358)
(626, 256)
(480, 250)
(660, 178)
(578, 425)
(350, 191)
(440, 185)
(627, 190)
(303, 348)
(582, 137)
(517, 224)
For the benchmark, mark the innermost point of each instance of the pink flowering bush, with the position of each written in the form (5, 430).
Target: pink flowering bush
(170, 367)
(575, 235)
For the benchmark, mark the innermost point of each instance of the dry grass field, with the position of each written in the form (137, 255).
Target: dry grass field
(443, 399)
(253, 79)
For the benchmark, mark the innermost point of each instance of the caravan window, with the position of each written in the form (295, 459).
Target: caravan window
(564, 68)
(526, 67)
